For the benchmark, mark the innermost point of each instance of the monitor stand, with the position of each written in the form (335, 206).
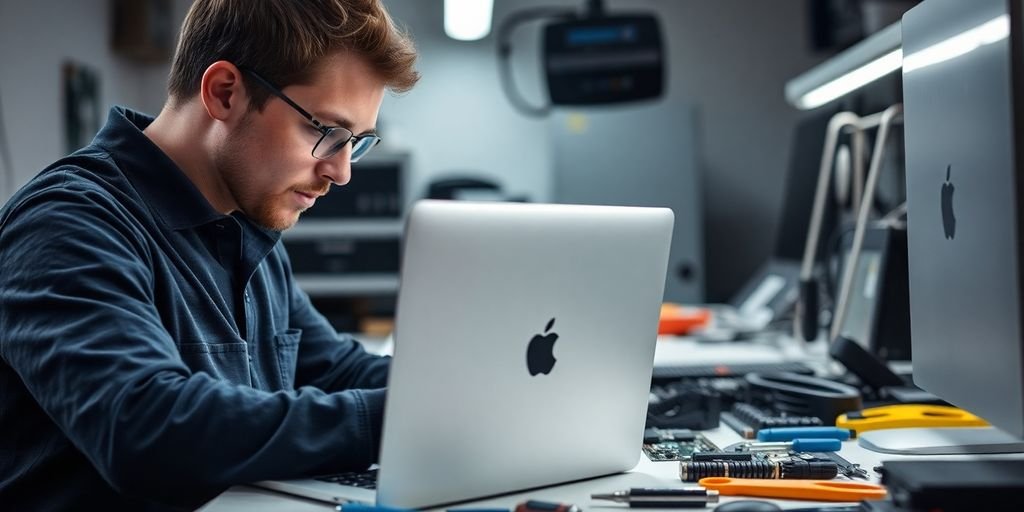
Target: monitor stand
(940, 441)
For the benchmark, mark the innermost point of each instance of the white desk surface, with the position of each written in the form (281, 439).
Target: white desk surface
(645, 474)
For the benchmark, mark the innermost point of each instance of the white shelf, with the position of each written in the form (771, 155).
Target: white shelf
(328, 285)
(318, 228)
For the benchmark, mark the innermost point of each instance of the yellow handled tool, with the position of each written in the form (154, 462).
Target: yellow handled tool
(908, 415)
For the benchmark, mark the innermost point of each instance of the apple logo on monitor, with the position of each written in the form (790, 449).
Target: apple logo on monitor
(540, 357)
(948, 219)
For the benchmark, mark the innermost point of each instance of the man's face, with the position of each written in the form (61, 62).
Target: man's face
(267, 165)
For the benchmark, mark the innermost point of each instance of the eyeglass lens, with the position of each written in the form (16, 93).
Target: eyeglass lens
(336, 139)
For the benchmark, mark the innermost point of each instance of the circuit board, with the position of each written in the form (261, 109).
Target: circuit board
(674, 444)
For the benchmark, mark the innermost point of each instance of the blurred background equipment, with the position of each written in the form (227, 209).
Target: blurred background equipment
(81, 104)
(590, 58)
(605, 155)
(143, 30)
(345, 250)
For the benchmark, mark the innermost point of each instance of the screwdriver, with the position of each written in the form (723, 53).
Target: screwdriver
(696, 497)
(796, 445)
(791, 433)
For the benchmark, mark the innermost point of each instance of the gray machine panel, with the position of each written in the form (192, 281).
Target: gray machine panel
(964, 251)
(641, 154)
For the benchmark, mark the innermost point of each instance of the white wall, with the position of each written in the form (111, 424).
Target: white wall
(728, 58)
(36, 38)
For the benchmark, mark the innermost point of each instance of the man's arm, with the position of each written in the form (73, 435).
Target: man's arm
(80, 328)
(328, 360)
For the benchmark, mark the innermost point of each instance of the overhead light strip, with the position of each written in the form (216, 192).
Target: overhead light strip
(852, 80)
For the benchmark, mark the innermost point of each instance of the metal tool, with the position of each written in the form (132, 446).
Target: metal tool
(796, 445)
(696, 497)
(847, 468)
(819, 490)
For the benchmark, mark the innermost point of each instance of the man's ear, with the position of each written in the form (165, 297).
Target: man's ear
(222, 91)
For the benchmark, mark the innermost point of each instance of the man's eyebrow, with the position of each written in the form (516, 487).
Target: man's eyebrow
(336, 120)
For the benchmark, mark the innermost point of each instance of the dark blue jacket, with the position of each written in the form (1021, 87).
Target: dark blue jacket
(154, 352)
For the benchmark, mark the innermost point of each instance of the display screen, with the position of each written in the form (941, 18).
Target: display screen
(587, 36)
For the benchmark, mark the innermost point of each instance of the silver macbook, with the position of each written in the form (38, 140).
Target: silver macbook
(524, 344)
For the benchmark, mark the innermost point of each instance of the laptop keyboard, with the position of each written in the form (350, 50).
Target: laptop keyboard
(662, 373)
(363, 479)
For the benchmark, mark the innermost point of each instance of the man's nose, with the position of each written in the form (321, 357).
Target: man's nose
(338, 168)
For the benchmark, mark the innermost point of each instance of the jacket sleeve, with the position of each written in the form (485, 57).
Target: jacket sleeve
(328, 360)
(81, 330)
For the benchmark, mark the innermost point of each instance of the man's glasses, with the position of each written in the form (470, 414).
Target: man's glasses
(332, 138)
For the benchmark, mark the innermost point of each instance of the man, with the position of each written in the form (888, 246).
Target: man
(154, 348)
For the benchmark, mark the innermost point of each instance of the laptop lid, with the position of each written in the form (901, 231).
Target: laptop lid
(524, 345)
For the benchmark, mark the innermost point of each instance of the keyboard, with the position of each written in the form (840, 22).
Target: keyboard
(363, 479)
(663, 373)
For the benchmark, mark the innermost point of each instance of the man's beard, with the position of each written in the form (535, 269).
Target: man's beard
(269, 212)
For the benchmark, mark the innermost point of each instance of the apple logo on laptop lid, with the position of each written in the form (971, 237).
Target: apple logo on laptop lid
(540, 357)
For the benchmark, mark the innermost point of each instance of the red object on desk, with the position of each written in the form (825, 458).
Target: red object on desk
(679, 319)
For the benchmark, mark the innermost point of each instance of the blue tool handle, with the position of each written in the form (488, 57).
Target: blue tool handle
(361, 507)
(791, 433)
(817, 445)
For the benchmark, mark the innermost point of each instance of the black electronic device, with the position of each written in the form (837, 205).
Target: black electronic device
(955, 485)
(684, 405)
(663, 374)
(803, 395)
(604, 59)
(808, 138)
(865, 365)
(344, 254)
(355, 230)
(884, 385)
(590, 58)
(345, 251)
(878, 305)
(770, 294)
(454, 187)
(376, 191)
(747, 419)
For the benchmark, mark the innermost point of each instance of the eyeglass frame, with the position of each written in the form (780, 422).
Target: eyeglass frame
(324, 130)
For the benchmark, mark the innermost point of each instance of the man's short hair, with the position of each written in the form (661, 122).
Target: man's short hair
(285, 40)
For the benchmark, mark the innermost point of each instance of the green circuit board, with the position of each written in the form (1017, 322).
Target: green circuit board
(674, 444)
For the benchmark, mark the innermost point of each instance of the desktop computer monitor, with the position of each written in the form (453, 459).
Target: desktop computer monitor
(963, 100)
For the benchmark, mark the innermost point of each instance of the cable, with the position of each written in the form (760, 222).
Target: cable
(895, 218)
(5, 154)
(891, 115)
(505, 53)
